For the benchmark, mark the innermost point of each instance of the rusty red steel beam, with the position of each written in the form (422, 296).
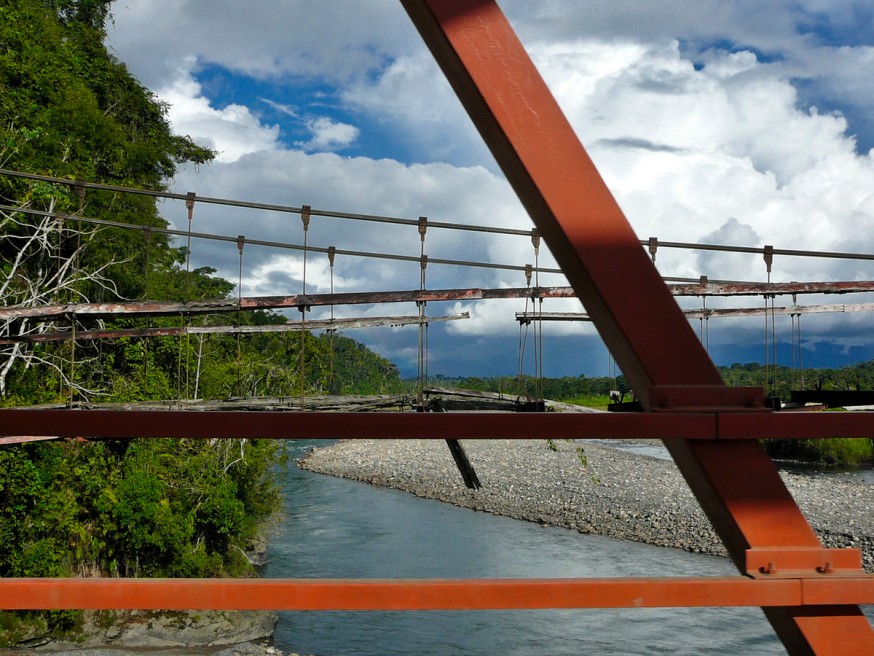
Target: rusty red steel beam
(664, 425)
(795, 425)
(735, 482)
(422, 594)
(327, 425)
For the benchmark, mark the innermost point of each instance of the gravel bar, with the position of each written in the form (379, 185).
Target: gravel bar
(615, 493)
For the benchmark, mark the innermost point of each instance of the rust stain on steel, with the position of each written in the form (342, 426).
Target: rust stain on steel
(409, 594)
(736, 483)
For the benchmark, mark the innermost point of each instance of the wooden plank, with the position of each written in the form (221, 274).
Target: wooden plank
(714, 313)
(170, 308)
(24, 439)
(290, 326)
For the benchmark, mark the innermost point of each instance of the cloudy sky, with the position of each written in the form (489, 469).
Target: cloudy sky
(722, 121)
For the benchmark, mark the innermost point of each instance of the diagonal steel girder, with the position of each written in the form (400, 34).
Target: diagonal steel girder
(533, 143)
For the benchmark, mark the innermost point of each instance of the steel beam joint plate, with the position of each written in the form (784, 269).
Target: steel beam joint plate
(803, 562)
(702, 398)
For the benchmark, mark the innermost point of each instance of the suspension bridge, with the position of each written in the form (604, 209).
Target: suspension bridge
(810, 594)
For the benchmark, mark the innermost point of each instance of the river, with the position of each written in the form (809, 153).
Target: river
(337, 528)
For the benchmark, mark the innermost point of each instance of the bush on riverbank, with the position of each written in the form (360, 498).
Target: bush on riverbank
(833, 451)
(154, 508)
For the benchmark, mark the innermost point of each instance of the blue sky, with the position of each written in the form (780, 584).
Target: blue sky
(745, 122)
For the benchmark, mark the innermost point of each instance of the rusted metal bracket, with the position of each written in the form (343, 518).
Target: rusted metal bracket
(706, 398)
(803, 562)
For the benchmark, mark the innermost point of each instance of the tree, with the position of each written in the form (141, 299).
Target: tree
(157, 507)
(69, 109)
(39, 265)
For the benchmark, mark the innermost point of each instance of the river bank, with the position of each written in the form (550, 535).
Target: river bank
(614, 493)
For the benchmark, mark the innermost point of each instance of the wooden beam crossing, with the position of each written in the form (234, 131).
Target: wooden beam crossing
(713, 313)
(174, 308)
(290, 326)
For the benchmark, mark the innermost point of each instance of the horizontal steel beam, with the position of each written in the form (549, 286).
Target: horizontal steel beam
(429, 594)
(700, 425)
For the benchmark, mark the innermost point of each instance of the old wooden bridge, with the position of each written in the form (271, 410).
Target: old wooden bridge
(810, 595)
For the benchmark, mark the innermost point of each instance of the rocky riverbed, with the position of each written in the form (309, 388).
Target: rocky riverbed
(141, 633)
(592, 488)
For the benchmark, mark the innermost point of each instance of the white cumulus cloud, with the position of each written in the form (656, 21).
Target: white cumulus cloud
(232, 132)
(329, 135)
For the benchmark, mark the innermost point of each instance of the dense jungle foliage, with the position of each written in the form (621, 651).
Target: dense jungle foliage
(596, 392)
(69, 109)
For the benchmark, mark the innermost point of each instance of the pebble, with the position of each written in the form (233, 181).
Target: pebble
(617, 493)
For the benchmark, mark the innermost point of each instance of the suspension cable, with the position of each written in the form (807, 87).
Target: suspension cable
(284, 245)
(189, 205)
(652, 242)
(305, 221)
(145, 342)
(522, 389)
(272, 207)
(72, 358)
(241, 244)
(768, 256)
(538, 320)
(421, 366)
(332, 330)
(800, 357)
(792, 347)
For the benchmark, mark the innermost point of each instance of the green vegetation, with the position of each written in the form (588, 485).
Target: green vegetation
(581, 390)
(833, 451)
(155, 507)
(594, 393)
